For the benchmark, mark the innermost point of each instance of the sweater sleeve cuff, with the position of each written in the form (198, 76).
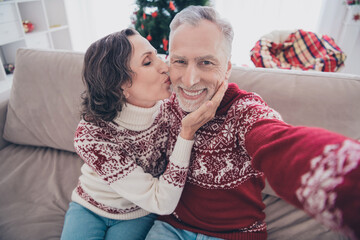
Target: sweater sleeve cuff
(182, 151)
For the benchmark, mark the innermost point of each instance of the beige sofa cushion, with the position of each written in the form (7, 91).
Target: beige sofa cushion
(45, 98)
(36, 185)
(317, 99)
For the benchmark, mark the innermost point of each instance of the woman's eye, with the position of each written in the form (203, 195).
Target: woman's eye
(147, 63)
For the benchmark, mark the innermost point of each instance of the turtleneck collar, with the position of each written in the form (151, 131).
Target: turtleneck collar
(137, 118)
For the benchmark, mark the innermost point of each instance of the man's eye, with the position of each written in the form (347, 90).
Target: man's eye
(179, 61)
(147, 63)
(206, 63)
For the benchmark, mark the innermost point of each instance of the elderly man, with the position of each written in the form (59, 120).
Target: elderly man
(246, 141)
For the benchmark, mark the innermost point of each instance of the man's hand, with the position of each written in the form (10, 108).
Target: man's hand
(193, 121)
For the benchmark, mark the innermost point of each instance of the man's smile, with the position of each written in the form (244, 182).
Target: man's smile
(193, 94)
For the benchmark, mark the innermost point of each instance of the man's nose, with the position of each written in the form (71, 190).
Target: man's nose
(191, 76)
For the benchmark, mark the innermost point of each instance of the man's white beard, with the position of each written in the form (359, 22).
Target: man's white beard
(188, 105)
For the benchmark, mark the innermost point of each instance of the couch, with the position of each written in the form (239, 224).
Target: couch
(39, 115)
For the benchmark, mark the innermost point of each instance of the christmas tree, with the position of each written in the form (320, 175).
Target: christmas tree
(152, 19)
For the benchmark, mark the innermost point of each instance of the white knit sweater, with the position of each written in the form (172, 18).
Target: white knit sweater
(128, 171)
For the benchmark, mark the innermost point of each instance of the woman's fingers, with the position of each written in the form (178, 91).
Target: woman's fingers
(217, 98)
(209, 108)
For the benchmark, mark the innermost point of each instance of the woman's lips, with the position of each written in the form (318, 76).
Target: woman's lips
(167, 81)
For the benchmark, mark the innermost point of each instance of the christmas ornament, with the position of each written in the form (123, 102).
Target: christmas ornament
(357, 17)
(172, 6)
(142, 26)
(28, 26)
(9, 68)
(144, 16)
(154, 14)
(165, 44)
(149, 38)
(353, 2)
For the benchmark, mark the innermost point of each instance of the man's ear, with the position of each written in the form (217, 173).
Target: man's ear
(228, 70)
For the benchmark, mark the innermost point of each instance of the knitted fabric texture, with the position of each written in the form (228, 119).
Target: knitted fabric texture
(235, 151)
(127, 173)
(320, 171)
(222, 186)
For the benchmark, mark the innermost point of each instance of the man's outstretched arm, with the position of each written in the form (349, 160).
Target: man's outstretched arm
(312, 168)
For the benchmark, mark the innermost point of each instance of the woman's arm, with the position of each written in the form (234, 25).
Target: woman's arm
(115, 164)
(157, 195)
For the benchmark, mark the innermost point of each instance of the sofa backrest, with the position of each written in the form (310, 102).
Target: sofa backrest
(44, 104)
(309, 98)
(44, 101)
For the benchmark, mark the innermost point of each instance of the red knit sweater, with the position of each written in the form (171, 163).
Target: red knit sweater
(247, 141)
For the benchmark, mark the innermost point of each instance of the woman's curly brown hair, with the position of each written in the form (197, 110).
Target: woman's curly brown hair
(106, 69)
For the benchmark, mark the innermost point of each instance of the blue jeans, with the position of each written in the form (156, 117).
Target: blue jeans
(164, 231)
(81, 223)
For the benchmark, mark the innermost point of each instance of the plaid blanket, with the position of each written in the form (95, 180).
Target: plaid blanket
(301, 50)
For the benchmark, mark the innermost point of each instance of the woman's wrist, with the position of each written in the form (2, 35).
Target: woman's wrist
(187, 134)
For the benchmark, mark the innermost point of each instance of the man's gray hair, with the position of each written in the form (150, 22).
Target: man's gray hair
(194, 14)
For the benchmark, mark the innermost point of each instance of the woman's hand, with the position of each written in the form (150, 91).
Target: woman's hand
(193, 121)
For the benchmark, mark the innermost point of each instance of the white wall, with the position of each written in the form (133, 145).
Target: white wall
(90, 20)
(336, 21)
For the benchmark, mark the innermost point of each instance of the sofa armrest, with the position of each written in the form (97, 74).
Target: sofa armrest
(4, 100)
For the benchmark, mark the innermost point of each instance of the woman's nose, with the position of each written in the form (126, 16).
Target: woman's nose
(163, 67)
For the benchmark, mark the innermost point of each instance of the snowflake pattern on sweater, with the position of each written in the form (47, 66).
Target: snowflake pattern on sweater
(312, 168)
(110, 152)
(221, 176)
(221, 160)
(317, 190)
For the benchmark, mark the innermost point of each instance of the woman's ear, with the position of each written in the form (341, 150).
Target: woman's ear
(125, 87)
(126, 94)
